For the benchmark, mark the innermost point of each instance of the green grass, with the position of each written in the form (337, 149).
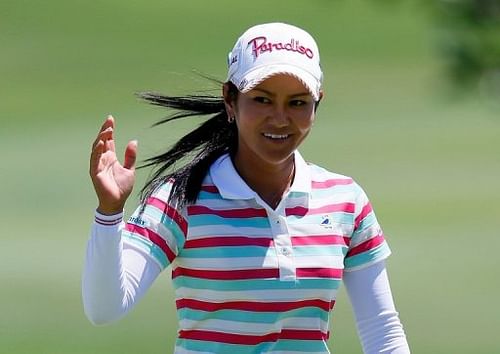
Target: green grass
(428, 160)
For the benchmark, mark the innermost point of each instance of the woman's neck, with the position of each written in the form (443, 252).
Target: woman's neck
(270, 181)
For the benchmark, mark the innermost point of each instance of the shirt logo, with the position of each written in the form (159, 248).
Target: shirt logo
(326, 221)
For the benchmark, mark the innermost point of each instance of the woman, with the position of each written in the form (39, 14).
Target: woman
(258, 240)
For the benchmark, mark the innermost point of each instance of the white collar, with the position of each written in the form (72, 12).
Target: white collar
(232, 186)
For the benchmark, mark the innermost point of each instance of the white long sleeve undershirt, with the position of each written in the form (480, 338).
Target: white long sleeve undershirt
(116, 276)
(377, 320)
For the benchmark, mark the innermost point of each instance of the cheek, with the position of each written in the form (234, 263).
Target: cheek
(305, 121)
(254, 109)
(251, 114)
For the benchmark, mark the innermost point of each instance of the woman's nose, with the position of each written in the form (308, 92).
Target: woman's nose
(280, 116)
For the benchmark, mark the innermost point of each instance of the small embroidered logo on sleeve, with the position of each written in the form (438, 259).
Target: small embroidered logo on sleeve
(137, 221)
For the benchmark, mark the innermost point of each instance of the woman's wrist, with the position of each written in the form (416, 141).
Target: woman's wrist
(109, 210)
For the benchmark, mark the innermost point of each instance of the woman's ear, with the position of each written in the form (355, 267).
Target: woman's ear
(229, 100)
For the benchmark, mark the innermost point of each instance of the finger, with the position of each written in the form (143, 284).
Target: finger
(95, 157)
(109, 122)
(111, 139)
(105, 135)
(130, 155)
(110, 143)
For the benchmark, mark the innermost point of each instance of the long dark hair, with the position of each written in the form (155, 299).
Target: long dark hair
(200, 147)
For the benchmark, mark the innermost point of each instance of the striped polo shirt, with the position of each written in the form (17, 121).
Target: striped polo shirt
(252, 279)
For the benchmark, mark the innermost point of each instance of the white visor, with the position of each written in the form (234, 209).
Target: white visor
(275, 48)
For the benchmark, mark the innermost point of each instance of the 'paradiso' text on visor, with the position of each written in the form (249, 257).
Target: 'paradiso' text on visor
(260, 45)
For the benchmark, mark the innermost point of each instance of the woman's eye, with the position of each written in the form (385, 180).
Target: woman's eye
(297, 103)
(262, 99)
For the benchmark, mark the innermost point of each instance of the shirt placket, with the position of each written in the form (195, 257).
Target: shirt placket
(282, 245)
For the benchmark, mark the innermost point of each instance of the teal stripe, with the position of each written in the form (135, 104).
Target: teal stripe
(204, 220)
(228, 252)
(260, 284)
(297, 195)
(320, 250)
(148, 246)
(370, 256)
(368, 221)
(251, 317)
(169, 223)
(209, 196)
(343, 218)
(306, 346)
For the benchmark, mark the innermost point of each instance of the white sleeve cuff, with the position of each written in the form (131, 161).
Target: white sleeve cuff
(108, 220)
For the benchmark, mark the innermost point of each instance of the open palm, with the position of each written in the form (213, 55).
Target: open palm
(113, 182)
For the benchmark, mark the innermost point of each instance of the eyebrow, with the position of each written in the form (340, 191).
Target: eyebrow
(272, 94)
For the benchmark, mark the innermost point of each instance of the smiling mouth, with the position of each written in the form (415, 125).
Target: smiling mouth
(276, 136)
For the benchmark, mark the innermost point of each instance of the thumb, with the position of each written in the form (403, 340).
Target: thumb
(130, 155)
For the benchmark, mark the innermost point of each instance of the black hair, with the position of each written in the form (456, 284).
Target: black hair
(200, 147)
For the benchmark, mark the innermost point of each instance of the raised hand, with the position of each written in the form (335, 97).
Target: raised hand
(112, 181)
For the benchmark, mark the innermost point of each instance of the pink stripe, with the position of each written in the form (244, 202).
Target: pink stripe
(319, 273)
(227, 274)
(229, 241)
(254, 306)
(153, 237)
(331, 183)
(332, 304)
(245, 339)
(332, 208)
(320, 240)
(228, 213)
(266, 242)
(170, 212)
(303, 334)
(366, 246)
(209, 189)
(367, 209)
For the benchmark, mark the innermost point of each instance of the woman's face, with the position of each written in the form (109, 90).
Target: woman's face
(272, 119)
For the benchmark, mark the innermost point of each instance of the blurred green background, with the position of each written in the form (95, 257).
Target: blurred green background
(427, 156)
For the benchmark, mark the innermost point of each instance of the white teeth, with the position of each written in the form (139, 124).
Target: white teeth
(275, 136)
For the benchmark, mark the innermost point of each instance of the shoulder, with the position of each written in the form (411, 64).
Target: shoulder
(323, 178)
(325, 182)
(160, 203)
(164, 189)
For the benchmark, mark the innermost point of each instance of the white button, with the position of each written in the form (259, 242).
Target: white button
(285, 251)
